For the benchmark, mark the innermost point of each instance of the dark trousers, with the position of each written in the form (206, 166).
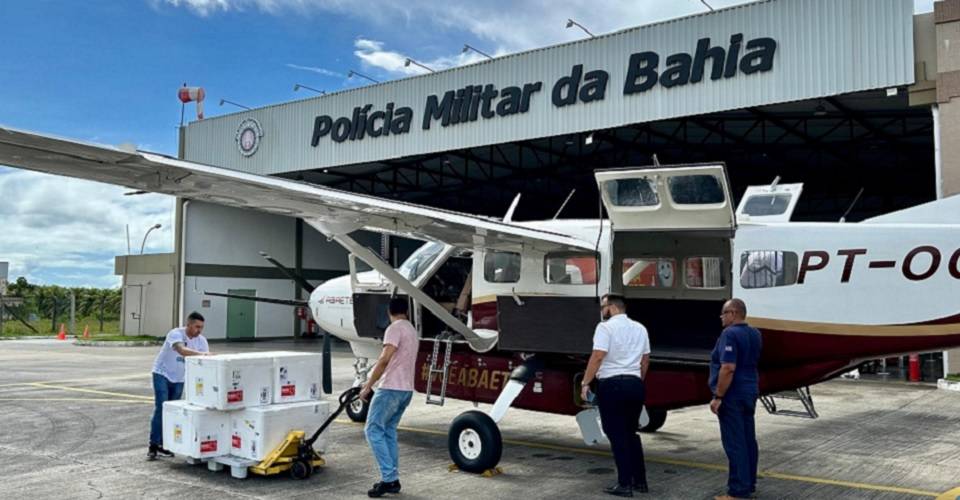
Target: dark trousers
(163, 391)
(621, 400)
(739, 436)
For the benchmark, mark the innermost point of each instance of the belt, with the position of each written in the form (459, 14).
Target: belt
(617, 377)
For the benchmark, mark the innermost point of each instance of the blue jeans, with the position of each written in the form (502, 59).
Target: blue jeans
(384, 414)
(163, 390)
(739, 436)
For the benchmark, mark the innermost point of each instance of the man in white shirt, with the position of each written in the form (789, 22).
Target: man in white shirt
(168, 374)
(621, 355)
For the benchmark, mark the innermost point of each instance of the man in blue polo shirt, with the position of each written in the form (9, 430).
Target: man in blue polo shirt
(734, 381)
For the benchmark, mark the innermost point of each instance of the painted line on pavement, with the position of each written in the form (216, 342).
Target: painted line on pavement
(82, 381)
(91, 391)
(953, 494)
(705, 466)
(85, 400)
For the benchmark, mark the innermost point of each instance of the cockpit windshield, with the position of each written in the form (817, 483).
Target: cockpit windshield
(420, 260)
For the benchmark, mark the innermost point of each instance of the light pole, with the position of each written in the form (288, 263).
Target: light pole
(571, 23)
(298, 86)
(156, 226)
(361, 75)
(467, 48)
(409, 61)
(235, 104)
(704, 2)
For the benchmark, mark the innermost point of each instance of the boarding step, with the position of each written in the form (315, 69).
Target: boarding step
(447, 339)
(802, 395)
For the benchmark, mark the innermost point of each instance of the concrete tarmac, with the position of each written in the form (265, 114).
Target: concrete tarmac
(74, 423)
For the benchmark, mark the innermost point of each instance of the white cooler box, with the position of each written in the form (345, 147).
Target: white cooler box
(257, 431)
(194, 431)
(297, 376)
(229, 381)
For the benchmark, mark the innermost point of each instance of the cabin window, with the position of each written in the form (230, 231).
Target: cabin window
(767, 268)
(634, 192)
(696, 190)
(501, 267)
(704, 272)
(567, 268)
(649, 272)
(767, 204)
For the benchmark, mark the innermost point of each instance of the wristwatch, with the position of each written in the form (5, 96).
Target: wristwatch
(717, 396)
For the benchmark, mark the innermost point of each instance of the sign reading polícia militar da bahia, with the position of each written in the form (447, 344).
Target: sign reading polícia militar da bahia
(751, 55)
(483, 102)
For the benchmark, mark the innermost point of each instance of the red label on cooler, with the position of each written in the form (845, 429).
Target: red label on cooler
(208, 446)
(234, 396)
(236, 441)
(288, 390)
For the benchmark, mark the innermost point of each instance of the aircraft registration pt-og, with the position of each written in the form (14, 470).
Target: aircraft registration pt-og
(506, 310)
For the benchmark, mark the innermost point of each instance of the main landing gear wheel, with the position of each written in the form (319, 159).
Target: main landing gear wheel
(474, 442)
(657, 419)
(357, 410)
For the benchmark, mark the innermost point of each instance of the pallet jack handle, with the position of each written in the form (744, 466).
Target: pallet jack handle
(348, 396)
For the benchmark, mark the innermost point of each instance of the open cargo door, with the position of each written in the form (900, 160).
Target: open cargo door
(773, 203)
(655, 198)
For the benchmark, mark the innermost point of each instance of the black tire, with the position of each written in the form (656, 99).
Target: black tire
(357, 411)
(301, 470)
(657, 418)
(474, 442)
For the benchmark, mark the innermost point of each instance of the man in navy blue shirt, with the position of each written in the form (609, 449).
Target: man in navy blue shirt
(734, 382)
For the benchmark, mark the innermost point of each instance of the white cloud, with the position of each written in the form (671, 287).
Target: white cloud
(66, 231)
(505, 26)
(372, 54)
(322, 71)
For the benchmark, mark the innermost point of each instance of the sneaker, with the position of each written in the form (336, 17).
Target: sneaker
(164, 452)
(152, 452)
(380, 488)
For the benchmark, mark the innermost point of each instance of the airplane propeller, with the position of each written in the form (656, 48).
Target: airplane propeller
(300, 280)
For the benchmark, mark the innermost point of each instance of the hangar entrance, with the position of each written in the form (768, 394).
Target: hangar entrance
(836, 146)
(857, 155)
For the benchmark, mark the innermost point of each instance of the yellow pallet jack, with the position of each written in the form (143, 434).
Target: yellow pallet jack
(296, 454)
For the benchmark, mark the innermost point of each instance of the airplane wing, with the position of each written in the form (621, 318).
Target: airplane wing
(140, 170)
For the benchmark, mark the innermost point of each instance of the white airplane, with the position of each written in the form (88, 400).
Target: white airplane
(506, 310)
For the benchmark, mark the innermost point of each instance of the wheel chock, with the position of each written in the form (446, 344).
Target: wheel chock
(496, 471)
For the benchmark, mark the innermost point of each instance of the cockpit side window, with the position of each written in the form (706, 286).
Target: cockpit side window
(420, 260)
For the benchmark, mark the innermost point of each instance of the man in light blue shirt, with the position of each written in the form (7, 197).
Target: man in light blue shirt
(168, 374)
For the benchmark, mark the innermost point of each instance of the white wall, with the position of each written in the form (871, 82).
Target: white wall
(272, 320)
(231, 236)
(157, 302)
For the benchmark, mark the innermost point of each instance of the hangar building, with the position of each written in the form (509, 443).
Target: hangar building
(857, 99)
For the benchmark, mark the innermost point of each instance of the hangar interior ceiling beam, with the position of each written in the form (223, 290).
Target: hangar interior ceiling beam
(835, 145)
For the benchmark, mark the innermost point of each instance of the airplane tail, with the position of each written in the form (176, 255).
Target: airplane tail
(942, 211)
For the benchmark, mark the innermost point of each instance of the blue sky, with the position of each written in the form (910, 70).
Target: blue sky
(108, 71)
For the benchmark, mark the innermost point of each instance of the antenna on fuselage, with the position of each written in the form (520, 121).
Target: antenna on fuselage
(656, 162)
(856, 198)
(564, 204)
(773, 185)
(513, 208)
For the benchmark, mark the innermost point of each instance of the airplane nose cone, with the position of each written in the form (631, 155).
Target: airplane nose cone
(331, 303)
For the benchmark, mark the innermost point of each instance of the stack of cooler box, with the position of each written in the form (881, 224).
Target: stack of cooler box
(244, 405)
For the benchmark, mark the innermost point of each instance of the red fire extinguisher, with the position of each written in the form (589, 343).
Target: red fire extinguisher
(914, 367)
